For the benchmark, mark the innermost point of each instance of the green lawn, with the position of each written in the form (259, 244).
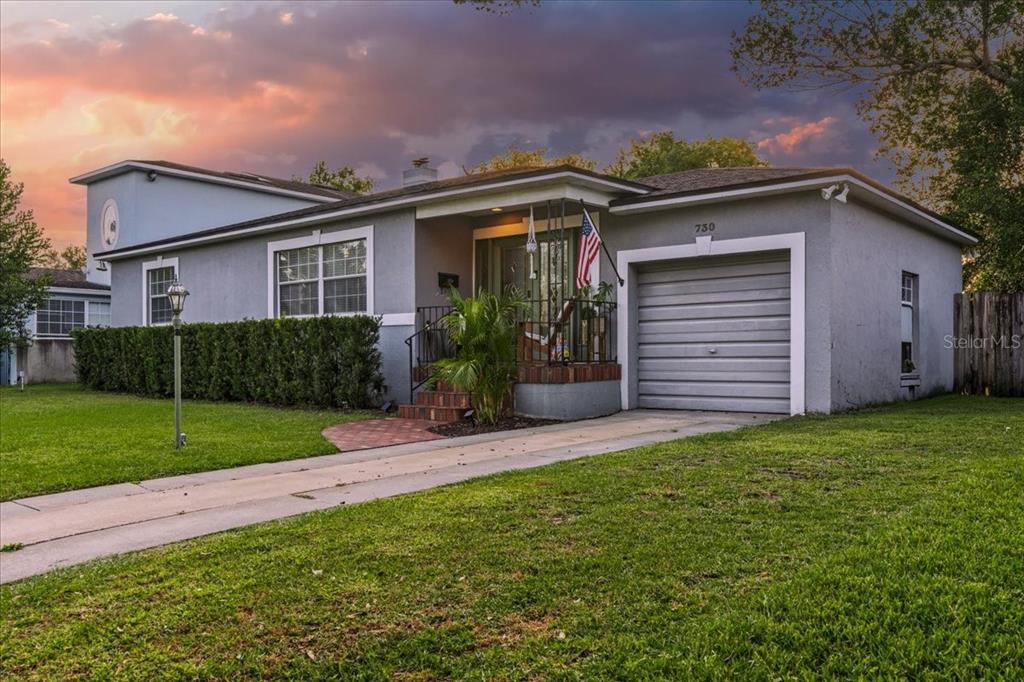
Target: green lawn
(887, 543)
(62, 437)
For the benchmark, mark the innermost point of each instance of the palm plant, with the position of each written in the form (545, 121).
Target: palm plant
(483, 330)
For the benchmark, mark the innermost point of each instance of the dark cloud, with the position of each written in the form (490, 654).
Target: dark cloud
(276, 87)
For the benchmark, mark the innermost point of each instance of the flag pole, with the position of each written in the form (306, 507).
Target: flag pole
(622, 282)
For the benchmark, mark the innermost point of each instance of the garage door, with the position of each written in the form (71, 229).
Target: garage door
(713, 334)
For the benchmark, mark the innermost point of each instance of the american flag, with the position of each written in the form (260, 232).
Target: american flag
(590, 246)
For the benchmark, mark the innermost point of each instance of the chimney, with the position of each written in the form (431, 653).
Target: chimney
(420, 173)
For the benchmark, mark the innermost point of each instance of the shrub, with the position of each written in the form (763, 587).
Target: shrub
(321, 361)
(484, 332)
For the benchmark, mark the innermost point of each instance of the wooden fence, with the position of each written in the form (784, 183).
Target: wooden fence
(988, 355)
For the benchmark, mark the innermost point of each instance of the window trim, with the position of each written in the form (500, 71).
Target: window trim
(160, 262)
(85, 318)
(319, 238)
(906, 378)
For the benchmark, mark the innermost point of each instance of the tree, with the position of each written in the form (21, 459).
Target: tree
(343, 179)
(942, 86)
(515, 157)
(71, 258)
(22, 244)
(661, 153)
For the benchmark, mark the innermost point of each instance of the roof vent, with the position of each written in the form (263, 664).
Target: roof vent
(420, 172)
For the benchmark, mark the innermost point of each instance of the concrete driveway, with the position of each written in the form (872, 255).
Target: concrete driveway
(69, 528)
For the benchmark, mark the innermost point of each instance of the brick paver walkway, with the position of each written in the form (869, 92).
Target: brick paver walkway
(378, 433)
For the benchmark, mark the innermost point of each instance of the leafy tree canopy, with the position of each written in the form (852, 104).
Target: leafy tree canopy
(943, 88)
(661, 153)
(515, 157)
(343, 178)
(70, 258)
(22, 245)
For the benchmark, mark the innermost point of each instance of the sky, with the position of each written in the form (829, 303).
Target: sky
(272, 87)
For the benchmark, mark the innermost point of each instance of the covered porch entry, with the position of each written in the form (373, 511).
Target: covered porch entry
(565, 347)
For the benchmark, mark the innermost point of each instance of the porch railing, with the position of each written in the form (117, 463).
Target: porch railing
(429, 344)
(577, 331)
(580, 331)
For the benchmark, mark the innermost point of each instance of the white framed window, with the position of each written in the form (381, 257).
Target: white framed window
(908, 323)
(322, 274)
(156, 277)
(58, 316)
(97, 314)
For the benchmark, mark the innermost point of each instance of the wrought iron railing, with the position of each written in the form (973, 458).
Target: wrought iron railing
(580, 331)
(429, 344)
(577, 330)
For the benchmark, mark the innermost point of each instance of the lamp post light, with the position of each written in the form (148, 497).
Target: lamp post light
(176, 294)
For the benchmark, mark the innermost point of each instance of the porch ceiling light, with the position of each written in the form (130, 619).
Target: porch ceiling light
(496, 209)
(176, 294)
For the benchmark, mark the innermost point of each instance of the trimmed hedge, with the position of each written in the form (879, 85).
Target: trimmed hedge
(320, 361)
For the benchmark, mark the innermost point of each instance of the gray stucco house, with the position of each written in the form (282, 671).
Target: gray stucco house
(48, 354)
(784, 290)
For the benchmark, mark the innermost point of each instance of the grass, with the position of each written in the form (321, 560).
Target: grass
(885, 543)
(62, 437)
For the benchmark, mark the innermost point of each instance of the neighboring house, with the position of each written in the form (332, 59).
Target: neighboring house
(759, 289)
(48, 356)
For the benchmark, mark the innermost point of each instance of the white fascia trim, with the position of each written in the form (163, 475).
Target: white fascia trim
(79, 292)
(655, 204)
(318, 238)
(116, 168)
(356, 211)
(160, 262)
(793, 242)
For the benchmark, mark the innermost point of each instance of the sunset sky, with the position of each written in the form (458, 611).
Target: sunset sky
(273, 87)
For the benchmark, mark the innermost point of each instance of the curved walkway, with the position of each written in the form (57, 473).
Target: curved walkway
(69, 528)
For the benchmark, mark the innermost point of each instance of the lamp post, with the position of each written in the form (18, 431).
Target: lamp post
(176, 294)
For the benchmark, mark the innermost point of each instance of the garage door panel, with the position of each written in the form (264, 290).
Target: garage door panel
(669, 297)
(757, 283)
(751, 309)
(709, 403)
(716, 338)
(701, 375)
(713, 334)
(714, 364)
(728, 324)
(718, 389)
(726, 271)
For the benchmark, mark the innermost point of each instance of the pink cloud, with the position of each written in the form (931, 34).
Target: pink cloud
(799, 136)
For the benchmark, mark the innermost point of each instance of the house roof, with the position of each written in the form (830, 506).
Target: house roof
(256, 181)
(718, 183)
(404, 196)
(657, 189)
(65, 279)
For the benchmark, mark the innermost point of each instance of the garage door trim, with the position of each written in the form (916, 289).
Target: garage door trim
(705, 246)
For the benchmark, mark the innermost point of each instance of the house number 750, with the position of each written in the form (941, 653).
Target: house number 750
(704, 227)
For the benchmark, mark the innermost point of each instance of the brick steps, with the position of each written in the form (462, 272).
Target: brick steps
(440, 404)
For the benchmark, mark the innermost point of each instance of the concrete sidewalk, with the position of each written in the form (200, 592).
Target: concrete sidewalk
(69, 528)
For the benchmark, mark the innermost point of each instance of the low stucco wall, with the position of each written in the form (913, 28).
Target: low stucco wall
(48, 361)
(568, 401)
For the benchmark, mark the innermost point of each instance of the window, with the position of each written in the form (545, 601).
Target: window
(908, 323)
(324, 279)
(58, 316)
(99, 314)
(159, 306)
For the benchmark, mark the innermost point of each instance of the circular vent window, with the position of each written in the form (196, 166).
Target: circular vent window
(110, 224)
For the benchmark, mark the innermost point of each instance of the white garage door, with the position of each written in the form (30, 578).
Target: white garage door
(713, 334)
